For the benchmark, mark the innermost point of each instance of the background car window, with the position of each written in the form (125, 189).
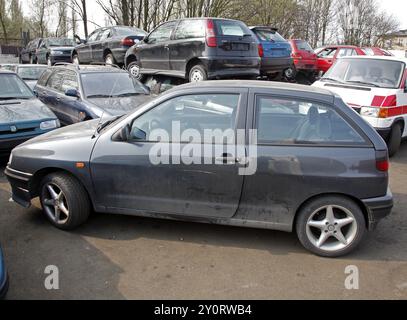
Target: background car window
(188, 29)
(93, 36)
(198, 112)
(269, 35)
(303, 45)
(327, 53)
(70, 81)
(344, 52)
(31, 73)
(231, 28)
(162, 33)
(55, 81)
(13, 87)
(104, 34)
(281, 121)
(42, 81)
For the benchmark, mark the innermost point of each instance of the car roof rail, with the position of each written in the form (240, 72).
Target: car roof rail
(67, 64)
(105, 64)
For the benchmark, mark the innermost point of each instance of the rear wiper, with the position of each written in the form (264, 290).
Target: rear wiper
(363, 82)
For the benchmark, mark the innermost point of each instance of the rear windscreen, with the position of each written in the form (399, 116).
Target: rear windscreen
(303, 45)
(231, 28)
(269, 35)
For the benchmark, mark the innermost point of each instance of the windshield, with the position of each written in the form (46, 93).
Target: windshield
(369, 72)
(12, 87)
(269, 35)
(31, 73)
(303, 45)
(61, 42)
(114, 84)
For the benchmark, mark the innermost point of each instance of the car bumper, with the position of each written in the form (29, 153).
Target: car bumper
(228, 67)
(378, 208)
(305, 65)
(20, 184)
(274, 65)
(61, 58)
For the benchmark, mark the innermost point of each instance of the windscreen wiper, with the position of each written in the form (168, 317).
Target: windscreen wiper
(331, 79)
(99, 96)
(363, 82)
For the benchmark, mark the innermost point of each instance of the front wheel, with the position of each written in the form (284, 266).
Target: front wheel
(75, 59)
(109, 59)
(394, 140)
(49, 62)
(331, 226)
(64, 201)
(198, 73)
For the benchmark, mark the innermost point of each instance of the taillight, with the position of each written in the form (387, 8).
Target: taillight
(210, 34)
(129, 42)
(383, 165)
(296, 55)
(261, 50)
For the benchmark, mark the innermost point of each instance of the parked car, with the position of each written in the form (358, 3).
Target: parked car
(107, 45)
(376, 87)
(275, 52)
(81, 93)
(29, 53)
(3, 277)
(9, 66)
(30, 73)
(328, 55)
(53, 50)
(22, 115)
(376, 51)
(318, 168)
(196, 49)
(305, 59)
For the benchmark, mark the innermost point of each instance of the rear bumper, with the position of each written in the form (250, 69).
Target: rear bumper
(19, 182)
(274, 65)
(61, 58)
(306, 65)
(226, 67)
(378, 208)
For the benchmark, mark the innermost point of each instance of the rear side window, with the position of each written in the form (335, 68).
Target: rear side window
(269, 35)
(231, 28)
(42, 81)
(55, 81)
(188, 29)
(286, 121)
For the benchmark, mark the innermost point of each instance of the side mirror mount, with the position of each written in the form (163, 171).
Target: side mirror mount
(72, 93)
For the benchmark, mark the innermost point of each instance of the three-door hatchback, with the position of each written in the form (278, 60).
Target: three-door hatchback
(254, 154)
(196, 49)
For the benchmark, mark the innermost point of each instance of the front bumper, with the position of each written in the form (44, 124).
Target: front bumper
(275, 65)
(229, 67)
(20, 184)
(378, 208)
(61, 58)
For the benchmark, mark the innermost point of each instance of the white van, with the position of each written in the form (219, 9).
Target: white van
(376, 88)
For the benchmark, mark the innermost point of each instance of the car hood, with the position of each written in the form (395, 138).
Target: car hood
(121, 105)
(24, 111)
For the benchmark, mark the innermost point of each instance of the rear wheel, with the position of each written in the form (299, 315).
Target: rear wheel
(394, 140)
(109, 59)
(135, 70)
(198, 73)
(331, 226)
(49, 61)
(64, 201)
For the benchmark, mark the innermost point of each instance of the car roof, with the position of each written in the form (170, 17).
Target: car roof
(255, 84)
(392, 58)
(90, 68)
(2, 71)
(32, 65)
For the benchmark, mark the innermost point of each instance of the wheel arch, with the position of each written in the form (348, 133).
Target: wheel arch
(129, 59)
(106, 51)
(401, 121)
(192, 62)
(357, 201)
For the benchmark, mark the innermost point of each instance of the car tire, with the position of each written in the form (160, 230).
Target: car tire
(109, 59)
(75, 59)
(394, 140)
(330, 235)
(49, 62)
(68, 205)
(31, 60)
(198, 73)
(134, 70)
(290, 73)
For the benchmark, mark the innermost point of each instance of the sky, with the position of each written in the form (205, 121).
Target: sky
(396, 7)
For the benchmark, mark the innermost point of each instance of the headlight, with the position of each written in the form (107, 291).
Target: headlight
(369, 112)
(51, 124)
(55, 52)
(10, 159)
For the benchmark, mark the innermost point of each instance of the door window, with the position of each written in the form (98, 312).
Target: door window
(70, 81)
(93, 37)
(55, 81)
(188, 29)
(196, 112)
(327, 53)
(287, 121)
(162, 33)
(104, 35)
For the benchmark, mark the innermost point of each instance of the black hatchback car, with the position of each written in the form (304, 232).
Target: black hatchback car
(296, 158)
(108, 45)
(29, 53)
(196, 49)
(80, 93)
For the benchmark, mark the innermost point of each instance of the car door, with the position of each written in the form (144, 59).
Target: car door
(85, 50)
(42, 52)
(98, 46)
(154, 53)
(139, 175)
(187, 42)
(302, 146)
(326, 59)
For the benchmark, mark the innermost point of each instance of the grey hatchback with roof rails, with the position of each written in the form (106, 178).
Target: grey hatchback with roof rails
(315, 167)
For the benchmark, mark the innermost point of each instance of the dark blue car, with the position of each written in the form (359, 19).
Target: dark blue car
(3, 277)
(274, 50)
(80, 93)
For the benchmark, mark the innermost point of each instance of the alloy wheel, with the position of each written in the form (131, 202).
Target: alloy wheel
(135, 71)
(55, 203)
(197, 76)
(109, 59)
(331, 228)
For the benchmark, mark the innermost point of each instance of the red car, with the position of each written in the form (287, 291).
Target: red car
(376, 51)
(305, 59)
(328, 55)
